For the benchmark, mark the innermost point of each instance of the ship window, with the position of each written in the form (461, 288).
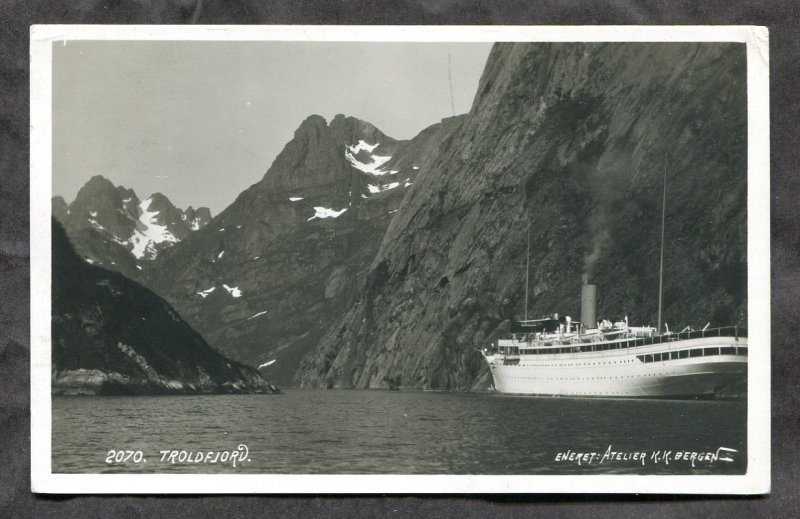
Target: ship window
(648, 358)
(695, 353)
(673, 355)
(728, 351)
(684, 354)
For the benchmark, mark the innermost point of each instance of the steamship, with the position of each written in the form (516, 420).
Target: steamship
(556, 356)
(560, 357)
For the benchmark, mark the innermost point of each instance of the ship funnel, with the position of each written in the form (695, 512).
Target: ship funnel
(589, 305)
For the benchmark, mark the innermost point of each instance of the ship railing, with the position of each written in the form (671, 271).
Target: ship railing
(724, 331)
(574, 345)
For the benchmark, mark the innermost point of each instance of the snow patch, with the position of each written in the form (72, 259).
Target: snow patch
(233, 291)
(362, 145)
(415, 167)
(377, 189)
(256, 315)
(93, 214)
(324, 212)
(407, 183)
(95, 224)
(295, 198)
(375, 161)
(150, 233)
(220, 254)
(139, 267)
(207, 292)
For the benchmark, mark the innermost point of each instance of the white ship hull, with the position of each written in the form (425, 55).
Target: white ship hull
(626, 372)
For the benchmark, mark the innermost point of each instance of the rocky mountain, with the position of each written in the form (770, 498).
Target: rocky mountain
(111, 226)
(570, 143)
(265, 279)
(110, 335)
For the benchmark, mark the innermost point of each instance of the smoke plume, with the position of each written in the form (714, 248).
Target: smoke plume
(608, 185)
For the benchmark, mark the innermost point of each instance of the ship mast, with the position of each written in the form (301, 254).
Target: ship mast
(661, 265)
(527, 270)
(450, 82)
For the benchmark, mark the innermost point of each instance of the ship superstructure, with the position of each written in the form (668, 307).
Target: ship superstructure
(559, 356)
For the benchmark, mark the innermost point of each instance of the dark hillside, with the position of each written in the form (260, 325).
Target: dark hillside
(570, 141)
(113, 336)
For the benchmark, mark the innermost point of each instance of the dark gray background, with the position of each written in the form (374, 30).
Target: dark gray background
(15, 18)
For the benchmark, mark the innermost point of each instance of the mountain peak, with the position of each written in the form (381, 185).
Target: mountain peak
(350, 130)
(159, 202)
(59, 207)
(99, 180)
(312, 124)
(158, 196)
(97, 185)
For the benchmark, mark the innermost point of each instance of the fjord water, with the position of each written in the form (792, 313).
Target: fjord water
(348, 431)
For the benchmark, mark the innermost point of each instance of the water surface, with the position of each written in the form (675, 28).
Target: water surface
(362, 432)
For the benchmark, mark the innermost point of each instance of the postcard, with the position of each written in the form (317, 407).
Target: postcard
(307, 259)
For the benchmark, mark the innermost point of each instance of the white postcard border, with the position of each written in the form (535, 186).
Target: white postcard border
(755, 481)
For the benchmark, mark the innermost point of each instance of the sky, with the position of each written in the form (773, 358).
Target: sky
(202, 121)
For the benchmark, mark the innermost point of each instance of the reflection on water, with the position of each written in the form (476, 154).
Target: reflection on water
(339, 431)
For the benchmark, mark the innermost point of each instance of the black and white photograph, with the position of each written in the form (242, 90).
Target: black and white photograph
(384, 259)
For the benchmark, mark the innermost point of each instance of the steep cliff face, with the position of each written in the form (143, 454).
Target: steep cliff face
(110, 226)
(570, 143)
(113, 336)
(274, 270)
